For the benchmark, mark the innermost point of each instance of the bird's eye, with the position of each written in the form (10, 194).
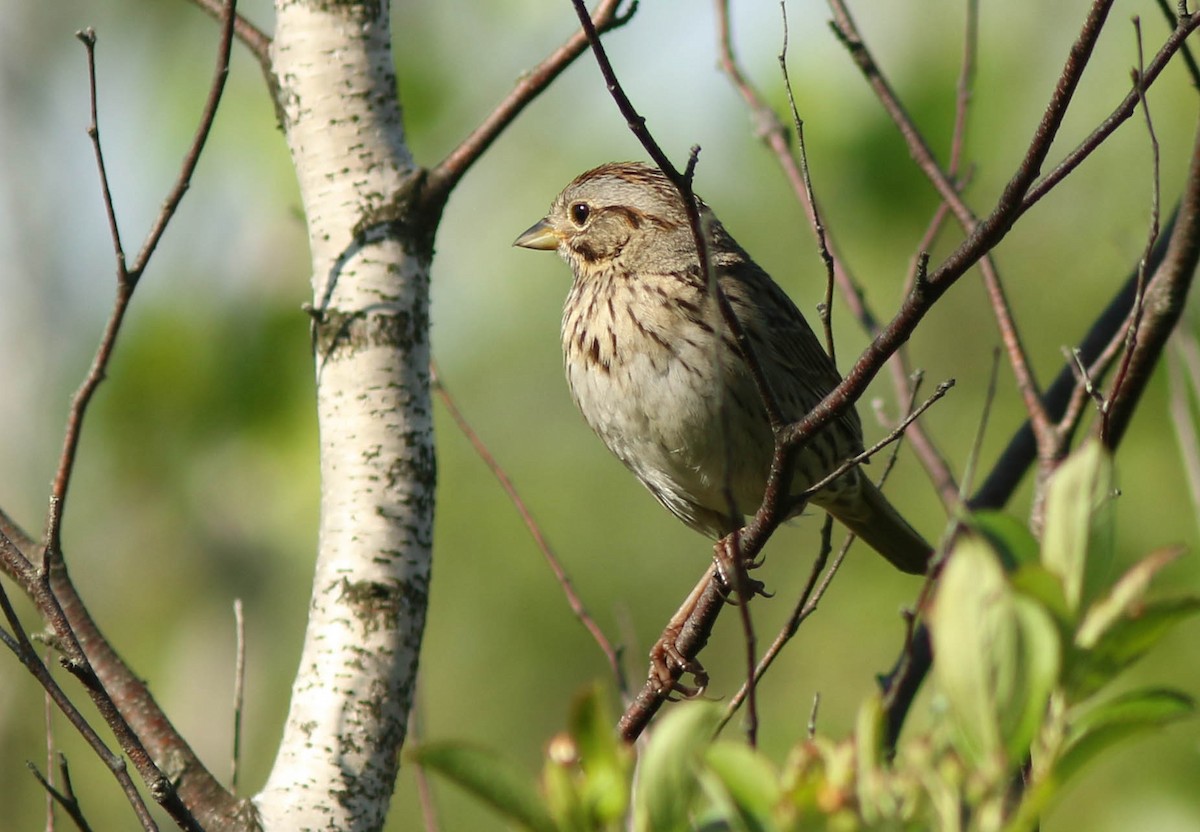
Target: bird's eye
(580, 212)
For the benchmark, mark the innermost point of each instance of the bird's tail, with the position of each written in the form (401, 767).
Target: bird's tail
(873, 518)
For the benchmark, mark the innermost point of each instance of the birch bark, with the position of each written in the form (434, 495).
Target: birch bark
(337, 763)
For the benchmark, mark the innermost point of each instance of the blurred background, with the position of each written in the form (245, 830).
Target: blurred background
(197, 476)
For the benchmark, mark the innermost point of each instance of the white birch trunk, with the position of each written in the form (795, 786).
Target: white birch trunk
(338, 760)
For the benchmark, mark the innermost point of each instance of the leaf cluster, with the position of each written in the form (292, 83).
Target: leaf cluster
(1029, 640)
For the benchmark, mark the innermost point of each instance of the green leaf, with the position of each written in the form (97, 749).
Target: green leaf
(876, 801)
(1008, 536)
(743, 783)
(1127, 593)
(1124, 642)
(491, 779)
(560, 784)
(1037, 583)
(605, 761)
(998, 656)
(667, 781)
(1022, 700)
(962, 625)
(591, 726)
(1077, 540)
(1100, 726)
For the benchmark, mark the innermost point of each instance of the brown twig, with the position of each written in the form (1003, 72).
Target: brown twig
(810, 198)
(447, 173)
(18, 642)
(896, 434)
(611, 654)
(425, 798)
(48, 724)
(121, 698)
(252, 37)
(128, 274)
(987, 233)
(1131, 332)
(772, 131)
(1173, 44)
(65, 797)
(812, 593)
(849, 35)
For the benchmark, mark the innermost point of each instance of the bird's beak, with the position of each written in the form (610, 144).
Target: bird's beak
(541, 235)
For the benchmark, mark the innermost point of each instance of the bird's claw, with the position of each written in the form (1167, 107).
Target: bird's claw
(728, 585)
(667, 663)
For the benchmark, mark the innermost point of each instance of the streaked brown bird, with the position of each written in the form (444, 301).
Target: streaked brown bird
(651, 364)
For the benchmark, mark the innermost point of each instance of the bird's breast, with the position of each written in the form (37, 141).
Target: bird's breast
(651, 379)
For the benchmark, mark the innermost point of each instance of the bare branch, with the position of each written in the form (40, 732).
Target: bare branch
(442, 178)
(65, 798)
(253, 38)
(128, 276)
(121, 697)
(1027, 385)
(986, 234)
(1131, 332)
(895, 434)
(1123, 111)
(611, 654)
(20, 645)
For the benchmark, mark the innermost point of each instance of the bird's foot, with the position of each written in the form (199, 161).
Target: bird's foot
(732, 577)
(667, 664)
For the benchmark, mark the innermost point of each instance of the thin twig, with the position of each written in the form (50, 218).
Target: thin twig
(65, 798)
(895, 434)
(252, 37)
(810, 197)
(416, 733)
(848, 33)
(18, 642)
(1184, 389)
(812, 593)
(964, 88)
(48, 723)
(611, 654)
(447, 173)
(1173, 44)
(49, 586)
(812, 716)
(129, 275)
(1131, 333)
(239, 691)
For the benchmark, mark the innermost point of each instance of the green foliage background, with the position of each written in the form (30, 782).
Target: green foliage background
(197, 481)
